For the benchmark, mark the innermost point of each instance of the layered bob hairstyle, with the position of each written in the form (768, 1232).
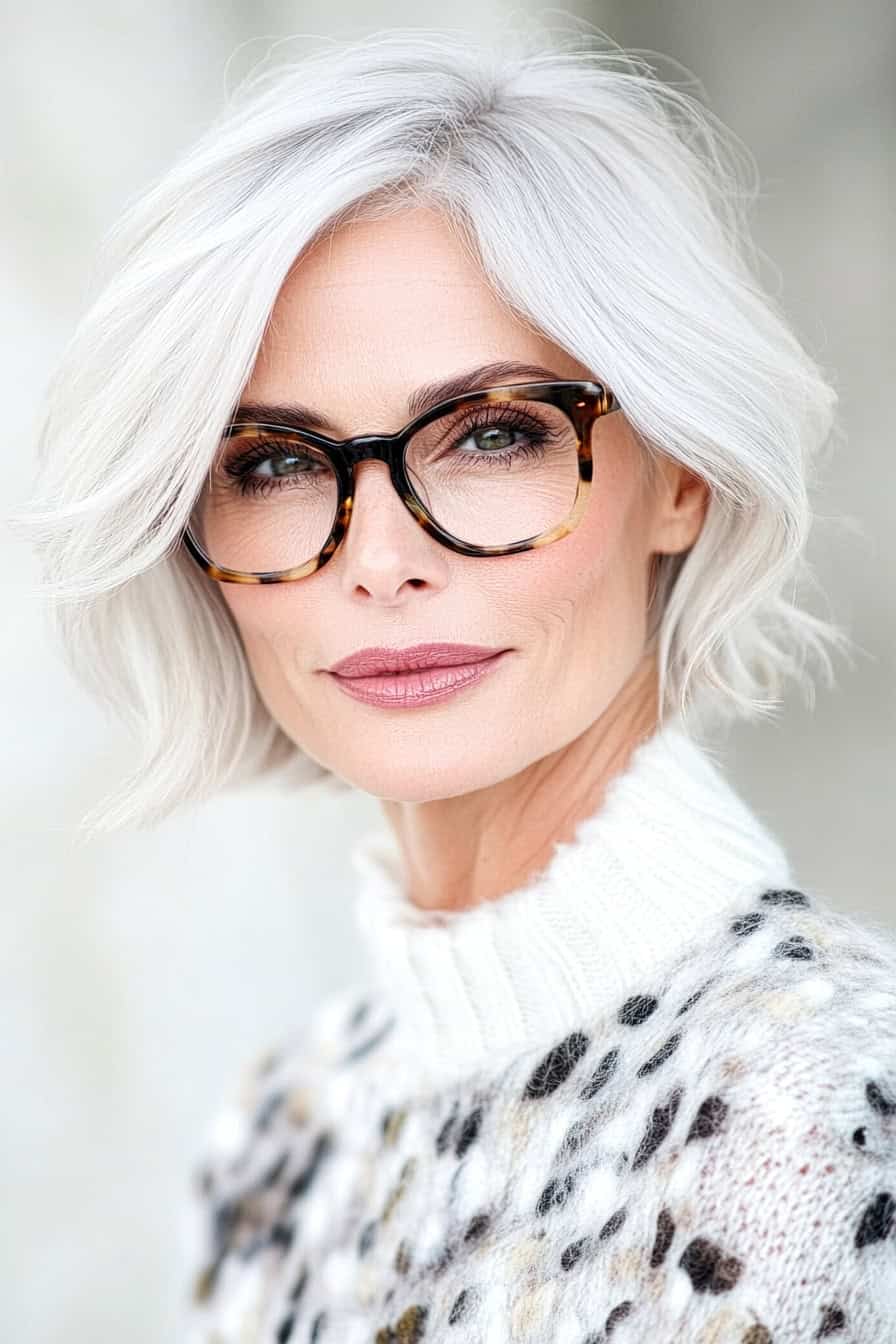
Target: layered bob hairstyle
(605, 206)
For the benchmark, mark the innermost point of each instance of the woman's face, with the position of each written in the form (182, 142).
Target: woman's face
(364, 319)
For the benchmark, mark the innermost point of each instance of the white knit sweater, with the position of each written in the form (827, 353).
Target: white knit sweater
(649, 1096)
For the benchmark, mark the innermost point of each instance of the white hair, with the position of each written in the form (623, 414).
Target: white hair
(607, 207)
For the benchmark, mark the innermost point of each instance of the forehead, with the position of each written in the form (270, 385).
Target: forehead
(378, 308)
(405, 280)
(417, 245)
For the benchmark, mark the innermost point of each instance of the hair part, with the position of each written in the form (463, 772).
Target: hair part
(607, 208)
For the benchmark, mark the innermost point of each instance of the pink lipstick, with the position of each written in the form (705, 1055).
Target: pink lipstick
(423, 674)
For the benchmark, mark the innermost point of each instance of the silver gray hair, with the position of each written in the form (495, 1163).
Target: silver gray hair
(606, 206)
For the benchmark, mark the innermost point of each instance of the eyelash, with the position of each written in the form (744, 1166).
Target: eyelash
(240, 466)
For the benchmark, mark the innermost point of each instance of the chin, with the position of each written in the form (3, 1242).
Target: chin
(410, 781)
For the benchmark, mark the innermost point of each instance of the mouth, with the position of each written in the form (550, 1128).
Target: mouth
(377, 661)
(421, 686)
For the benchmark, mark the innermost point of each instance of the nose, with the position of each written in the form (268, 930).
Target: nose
(384, 546)
(378, 510)
(374, 495)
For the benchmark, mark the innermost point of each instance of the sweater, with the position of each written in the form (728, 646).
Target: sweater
(650, 1095)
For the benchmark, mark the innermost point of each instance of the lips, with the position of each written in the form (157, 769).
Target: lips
(419, 688)
(379, 661)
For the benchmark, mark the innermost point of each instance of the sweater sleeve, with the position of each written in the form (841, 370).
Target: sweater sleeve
(226, 1207)
(778, 1222)
(233, 1207)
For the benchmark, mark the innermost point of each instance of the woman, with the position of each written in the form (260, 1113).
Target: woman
(457, 345)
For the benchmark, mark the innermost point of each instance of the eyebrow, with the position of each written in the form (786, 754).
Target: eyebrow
(292, 415)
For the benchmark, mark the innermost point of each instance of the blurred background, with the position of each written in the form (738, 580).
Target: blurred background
(140, 972)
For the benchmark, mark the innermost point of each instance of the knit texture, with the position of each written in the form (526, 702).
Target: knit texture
(683, 1133)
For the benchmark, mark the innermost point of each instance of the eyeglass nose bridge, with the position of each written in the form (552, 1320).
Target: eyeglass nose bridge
(387, 448)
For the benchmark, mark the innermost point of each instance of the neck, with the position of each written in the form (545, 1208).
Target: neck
(460, 852)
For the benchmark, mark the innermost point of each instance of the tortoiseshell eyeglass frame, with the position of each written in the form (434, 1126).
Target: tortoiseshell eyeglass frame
(582, 402)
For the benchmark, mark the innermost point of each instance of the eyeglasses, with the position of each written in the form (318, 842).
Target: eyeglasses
(492, 472)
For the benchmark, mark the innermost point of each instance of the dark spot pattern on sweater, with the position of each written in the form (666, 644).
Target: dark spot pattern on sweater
(601, 1075)
(281, 1235)
(618, 1314)
(403, 1257)
(461, 1306)
(577, 1135)
(276, 1170)
(784, 896)
(395, 1122)
(709, 1268)
(833, 1320)
(443, 1138)
(796, 947)
(555, 1193)
(878, 1101)
(637, 1009)
(408, 1329)
(661, 1056)
(225, 1218)
(285, 1328)
(556, 1066)
(709, 1119)
(573, 1253)
(612, 1225)
(469, 1131)
(302, 1183)
(658, 1126)
(665, 1231)
(367, 1047)
(443, 1259)
(694, 998)
(301, 1283)
(477, 1227)
(748, 923)
(268, 1108)
(876, 1222)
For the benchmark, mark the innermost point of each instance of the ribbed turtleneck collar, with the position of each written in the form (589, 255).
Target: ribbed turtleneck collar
(670, 846)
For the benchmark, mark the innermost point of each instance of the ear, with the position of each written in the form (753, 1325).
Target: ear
(681, 501)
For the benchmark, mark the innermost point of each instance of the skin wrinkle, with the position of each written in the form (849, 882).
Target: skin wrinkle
(480, 787)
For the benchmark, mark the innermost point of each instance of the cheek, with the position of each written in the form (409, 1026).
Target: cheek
(269, 620)
(271, 623)
(601, 569)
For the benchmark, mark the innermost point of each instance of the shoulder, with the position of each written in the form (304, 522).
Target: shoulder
(277, 1083)
(798, 1012)
(788, 957)
(782, 1187)
(264, 1130)
(822, 1040)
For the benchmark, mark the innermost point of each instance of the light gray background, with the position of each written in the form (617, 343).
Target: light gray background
(138, 974)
